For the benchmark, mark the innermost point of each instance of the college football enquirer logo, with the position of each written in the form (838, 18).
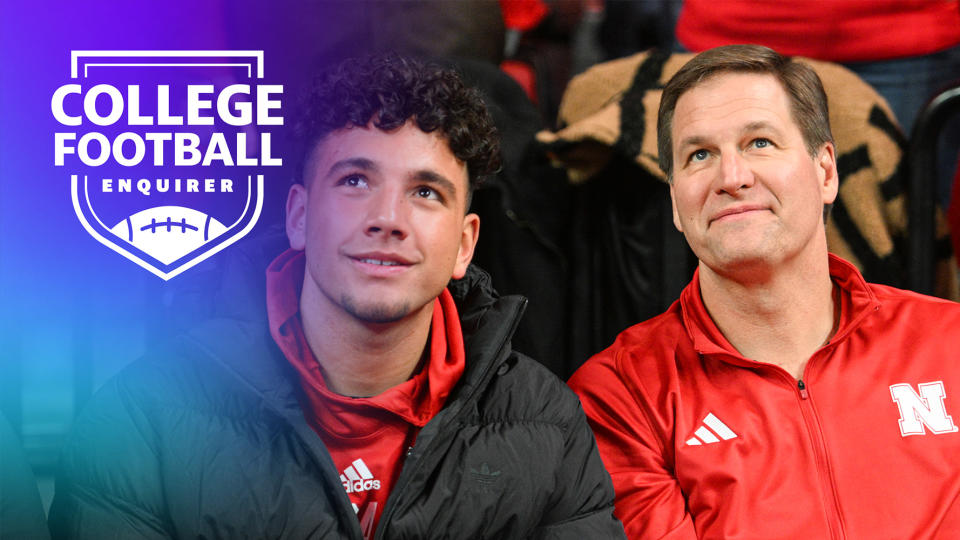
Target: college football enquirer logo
(166, 150)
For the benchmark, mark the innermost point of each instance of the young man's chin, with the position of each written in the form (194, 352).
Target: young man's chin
(376, 312)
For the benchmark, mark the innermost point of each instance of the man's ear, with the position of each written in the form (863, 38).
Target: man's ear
(296, 221)
(827, 175)
(673, 204)
(468, 241)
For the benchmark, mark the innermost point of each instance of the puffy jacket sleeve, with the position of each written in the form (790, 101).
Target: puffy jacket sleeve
(108, 483)
(583, 503)
(648, 497)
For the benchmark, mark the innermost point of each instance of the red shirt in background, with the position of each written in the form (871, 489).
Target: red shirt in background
(834, 30)
(367, 437)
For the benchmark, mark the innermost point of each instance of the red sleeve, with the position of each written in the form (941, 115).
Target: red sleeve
(648, 498)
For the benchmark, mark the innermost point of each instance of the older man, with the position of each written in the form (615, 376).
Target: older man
(781, 396)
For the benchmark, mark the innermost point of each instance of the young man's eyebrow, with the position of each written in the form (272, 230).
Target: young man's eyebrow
(353, 163)
(431, 177)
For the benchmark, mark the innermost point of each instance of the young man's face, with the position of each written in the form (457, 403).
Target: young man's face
(382, 217)
(745, 188)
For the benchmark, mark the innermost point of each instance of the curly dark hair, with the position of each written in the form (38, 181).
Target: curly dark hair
(389, 89)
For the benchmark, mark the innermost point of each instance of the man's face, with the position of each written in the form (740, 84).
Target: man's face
(745, 189)
(383, 221)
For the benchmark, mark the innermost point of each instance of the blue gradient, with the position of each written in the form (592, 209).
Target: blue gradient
(72, 312)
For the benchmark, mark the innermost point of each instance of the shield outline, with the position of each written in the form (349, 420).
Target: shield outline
(102, 234)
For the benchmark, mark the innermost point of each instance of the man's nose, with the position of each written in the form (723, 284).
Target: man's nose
(735, 173)
(388, 214)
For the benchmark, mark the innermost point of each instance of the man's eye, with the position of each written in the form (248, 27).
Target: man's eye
(761, 143)
(353, 180)
(699, 155)
(427, 193)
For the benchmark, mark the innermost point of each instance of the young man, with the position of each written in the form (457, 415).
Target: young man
(371, 399)
(781, 396)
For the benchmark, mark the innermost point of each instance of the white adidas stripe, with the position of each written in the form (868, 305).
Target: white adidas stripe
(719, 427)
(365, 472)
(704, 435)
(351, 474)
(357, 471)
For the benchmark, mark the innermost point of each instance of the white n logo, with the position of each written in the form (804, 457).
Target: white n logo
(921, 410)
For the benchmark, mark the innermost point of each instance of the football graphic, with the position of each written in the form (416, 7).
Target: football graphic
(167, 233)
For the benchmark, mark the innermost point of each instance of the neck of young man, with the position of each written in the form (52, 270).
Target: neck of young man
(362, 359)
(779, 314)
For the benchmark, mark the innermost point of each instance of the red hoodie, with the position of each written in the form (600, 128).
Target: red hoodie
(367, 437)
(704, 443)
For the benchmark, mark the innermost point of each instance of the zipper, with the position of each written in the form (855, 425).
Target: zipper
(812, 422)
(466, 401)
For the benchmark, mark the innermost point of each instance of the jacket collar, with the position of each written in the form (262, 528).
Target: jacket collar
(240, 339)
(856, 297)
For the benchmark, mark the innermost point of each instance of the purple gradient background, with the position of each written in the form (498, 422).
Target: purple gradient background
(73, 312)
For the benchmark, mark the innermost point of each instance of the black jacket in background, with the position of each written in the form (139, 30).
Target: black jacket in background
(206, 439)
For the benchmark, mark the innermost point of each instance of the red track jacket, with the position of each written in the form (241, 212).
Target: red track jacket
(703, 443)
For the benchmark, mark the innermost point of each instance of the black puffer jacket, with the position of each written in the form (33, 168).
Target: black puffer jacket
(206, 440)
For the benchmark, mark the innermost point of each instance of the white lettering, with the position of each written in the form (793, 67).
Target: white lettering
(133, 108)
(90, 105)
(170, 185)
(218, 149)
(138, 152)
(183, 144)
(163, 108)
(265, 104)
(56, 105)
(84, 150)
(60, 148)
(195, 104)
(158, 140)
(265, 159)
(926, 409)
(243, 107)
(242, 159)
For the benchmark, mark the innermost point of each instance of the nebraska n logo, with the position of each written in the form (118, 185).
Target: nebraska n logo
(925, 409)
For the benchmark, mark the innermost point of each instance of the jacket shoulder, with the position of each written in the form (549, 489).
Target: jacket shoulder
(167, 398)
(203, 371)
(916, 315)
(648, 352)
(522, 389)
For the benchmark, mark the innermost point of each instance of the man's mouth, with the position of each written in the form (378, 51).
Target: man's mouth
(737, 211)
(376, 259)
(380, 262)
